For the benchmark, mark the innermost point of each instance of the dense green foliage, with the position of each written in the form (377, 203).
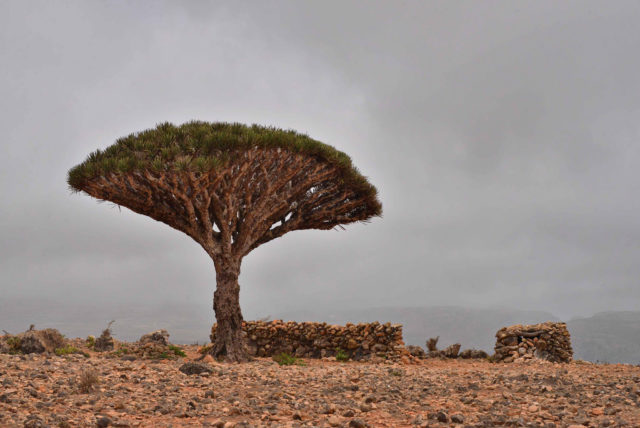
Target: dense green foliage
(201, 147)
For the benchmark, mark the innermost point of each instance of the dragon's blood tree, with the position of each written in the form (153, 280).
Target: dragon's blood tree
(231, 188)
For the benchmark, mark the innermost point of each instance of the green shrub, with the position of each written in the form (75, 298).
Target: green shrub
(177, 351)
(285, 359)
(14, 343)
(121, 351)
(66, 350)
(341, 355)
(91, 341)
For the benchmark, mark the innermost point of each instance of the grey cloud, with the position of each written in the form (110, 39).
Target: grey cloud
(503, 138)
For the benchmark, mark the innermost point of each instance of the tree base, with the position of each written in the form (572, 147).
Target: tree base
(230, 347)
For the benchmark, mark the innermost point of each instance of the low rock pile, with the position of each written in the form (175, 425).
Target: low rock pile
(451, 351)
(316, 340)
(154, 346)
(32, 342)
(105, 342)
(548, 341)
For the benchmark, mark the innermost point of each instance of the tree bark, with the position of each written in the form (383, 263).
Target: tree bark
(229, 339)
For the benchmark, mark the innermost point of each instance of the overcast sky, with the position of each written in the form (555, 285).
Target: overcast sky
(504, 138)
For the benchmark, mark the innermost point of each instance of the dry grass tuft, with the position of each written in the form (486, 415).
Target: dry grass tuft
(88, 380)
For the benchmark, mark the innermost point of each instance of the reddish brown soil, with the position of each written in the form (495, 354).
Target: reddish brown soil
(38, 390)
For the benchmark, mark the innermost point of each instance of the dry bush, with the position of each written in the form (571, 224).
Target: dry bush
(88, 380)
(432, 344)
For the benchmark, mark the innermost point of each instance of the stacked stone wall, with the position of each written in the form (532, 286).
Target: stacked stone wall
(548, 341)
(317, 340)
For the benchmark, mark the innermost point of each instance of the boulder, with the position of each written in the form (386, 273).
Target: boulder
(40, 341)
(195, 368)
(160, 337)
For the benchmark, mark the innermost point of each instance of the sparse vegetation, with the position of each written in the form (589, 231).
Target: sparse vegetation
(14, 343)
(285, 359)
(88, 380)
(91, 341)
(432, 344)
(121, 351)
(177, 351)
(66, 350)
(341, 355)
(205, 349)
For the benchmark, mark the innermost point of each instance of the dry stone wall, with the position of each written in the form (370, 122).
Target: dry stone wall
(548, 341)
(316, 340)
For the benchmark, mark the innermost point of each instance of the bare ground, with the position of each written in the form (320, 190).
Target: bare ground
(39, 390)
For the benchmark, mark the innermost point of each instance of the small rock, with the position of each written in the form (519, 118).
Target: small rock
(209, 393)
(457, 419)
(192, 368)
(329, 409)
(34, 422)
(441, 417)
(533, 408)
(103, 422)
(365, 407)
(334, 421)
(357, 423)
(349, 413)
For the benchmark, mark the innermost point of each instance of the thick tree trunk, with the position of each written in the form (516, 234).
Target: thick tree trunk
(229, 341)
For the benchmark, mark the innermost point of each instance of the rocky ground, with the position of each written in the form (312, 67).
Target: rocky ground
(104, 389)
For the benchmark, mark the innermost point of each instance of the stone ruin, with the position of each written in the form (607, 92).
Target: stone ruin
(547, 341)
(316, 340)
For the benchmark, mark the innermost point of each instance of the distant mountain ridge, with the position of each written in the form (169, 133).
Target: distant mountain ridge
(612, 337)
